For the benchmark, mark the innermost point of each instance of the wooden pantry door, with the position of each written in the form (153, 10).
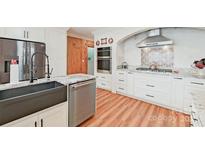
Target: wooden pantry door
(77, 56)
(74, 64)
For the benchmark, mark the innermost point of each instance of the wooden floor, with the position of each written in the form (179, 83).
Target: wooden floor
(114, 110)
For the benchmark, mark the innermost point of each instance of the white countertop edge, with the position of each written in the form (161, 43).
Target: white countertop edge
(66, 80)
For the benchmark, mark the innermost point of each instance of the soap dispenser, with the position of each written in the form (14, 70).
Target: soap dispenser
(14, 71)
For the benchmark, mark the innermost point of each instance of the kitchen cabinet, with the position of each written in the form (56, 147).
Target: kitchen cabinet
(192, 88)
(178, 93)
(130, 83)
(122, 82)
(56, 116)
(104, 81)
(153, 87)
(30, 121)
(15, 32)
(32, 34)
(35, 34)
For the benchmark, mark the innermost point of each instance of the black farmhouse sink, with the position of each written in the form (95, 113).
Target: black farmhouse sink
(16, 103)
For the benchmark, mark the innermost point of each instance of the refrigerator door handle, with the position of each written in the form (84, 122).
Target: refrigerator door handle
(27, 34)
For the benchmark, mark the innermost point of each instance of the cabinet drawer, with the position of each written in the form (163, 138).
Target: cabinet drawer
(158, 97)
(195, 83)
(121, 75)
(121, 81)
(104, 77)
(163, 86)
(121, 88)
(103, 84)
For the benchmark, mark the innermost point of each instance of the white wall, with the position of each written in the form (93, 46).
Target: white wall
(189, 45)
(56, 48)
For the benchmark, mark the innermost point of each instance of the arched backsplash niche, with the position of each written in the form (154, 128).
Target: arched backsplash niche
(189, 45)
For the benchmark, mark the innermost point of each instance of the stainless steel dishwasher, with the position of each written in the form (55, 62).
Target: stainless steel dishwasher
(82, 102)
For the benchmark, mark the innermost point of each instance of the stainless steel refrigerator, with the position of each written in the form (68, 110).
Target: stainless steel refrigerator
(22, 52)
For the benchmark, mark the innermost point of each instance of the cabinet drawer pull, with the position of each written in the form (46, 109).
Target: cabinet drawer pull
(130, 73)
(148, 85)
(103, 77)
(150, 96)
(121, 88)
(195, 119)
(121, 80)
(103, 84)
(35, 124)
(41, 122)
(178, 78)
(197, 83)
(121, 73)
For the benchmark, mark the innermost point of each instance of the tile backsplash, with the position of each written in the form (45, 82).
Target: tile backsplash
(162, 56)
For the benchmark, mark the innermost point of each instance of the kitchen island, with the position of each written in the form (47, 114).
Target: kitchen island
(52, 114)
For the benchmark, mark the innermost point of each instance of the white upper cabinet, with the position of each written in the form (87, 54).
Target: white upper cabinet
(32, 34)
(1, 32)
(15, 32)
(35, 34)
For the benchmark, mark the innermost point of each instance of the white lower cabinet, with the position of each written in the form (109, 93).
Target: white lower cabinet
(178, 93)
(194, 90)
(30, 121)
(130, 83)
(104, 81)
(56, 116)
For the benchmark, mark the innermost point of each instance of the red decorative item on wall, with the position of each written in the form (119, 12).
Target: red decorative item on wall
(110, 40)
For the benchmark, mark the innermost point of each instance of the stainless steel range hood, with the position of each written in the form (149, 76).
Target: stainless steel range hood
(155, 39)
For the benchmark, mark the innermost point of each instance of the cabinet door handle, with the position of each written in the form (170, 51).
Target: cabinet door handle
(197, 83)
(121, 80)
(148, 85)
(178, 78)
(121, 88)
(41, 122)
(35, 124)
(27, 34)
(24, 34)
(150, 96)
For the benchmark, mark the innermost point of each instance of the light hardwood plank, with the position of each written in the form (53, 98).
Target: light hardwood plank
(114, 110)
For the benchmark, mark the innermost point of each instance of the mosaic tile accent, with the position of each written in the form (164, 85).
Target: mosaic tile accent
(162, 56)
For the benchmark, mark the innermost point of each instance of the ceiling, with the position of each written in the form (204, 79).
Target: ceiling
(83, 32)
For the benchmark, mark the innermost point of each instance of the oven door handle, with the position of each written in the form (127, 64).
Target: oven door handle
(104, 58)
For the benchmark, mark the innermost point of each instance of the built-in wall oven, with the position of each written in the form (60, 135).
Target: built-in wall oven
(104, 60)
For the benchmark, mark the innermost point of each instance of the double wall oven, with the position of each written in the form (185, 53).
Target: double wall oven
(104, 60)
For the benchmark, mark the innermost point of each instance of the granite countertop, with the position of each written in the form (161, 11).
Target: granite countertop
(182, 74)
(66, 80)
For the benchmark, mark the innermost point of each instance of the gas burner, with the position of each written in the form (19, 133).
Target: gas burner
(154, 70)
